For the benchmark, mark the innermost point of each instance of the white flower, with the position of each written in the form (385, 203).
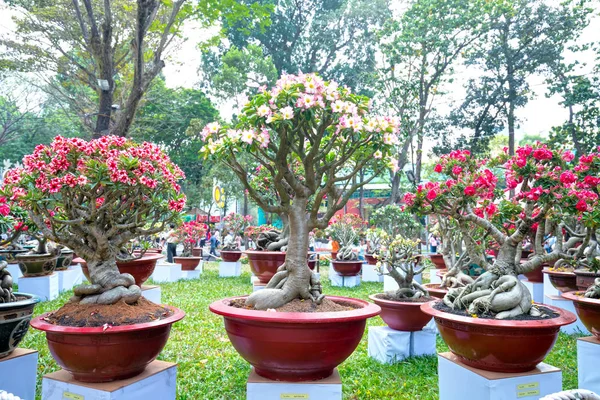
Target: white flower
(287, 112)
(308, 101)
(263, 111)
(248, 136)
(213, 127)
(393, 164)
(234, 135)
(371, 125)
(338, 106)
(378, 154)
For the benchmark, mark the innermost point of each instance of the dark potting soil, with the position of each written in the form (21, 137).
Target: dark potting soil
(390, 296)
(441, 306)
(96, 315)
(308, 306)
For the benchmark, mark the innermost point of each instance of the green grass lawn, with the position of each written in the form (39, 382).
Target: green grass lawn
(210, 368)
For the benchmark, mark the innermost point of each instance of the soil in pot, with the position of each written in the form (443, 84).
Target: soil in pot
(303, 306)
(440, 306)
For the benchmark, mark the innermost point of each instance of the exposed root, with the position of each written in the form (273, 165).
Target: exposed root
(6, 284)
(346, 254)
(593, 292)
(575, 394)
(122, 287)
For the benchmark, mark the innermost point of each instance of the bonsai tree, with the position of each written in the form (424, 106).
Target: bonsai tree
(263, 236)
(10, 226)
(188, 234)
(375, 239)
(346, 229)
(326, 129)
(393, 220)
(546, 190)
(401, 262)
(235, 223)
(94, 197)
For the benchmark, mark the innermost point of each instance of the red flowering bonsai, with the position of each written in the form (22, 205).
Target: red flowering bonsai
(94, 197)
(189, 234)
(11, 226)
(236, 224)
(547, 191)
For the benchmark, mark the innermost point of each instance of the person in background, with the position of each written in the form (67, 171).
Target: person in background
(229, 239)
(433, 243)
(311, 241)
(171, 243)
(362, 248)
(217, 236)
(213, 245)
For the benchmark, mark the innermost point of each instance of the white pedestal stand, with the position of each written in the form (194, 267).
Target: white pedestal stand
(258, 285)
(228, 269)
(46, 287)
(158, 381)
(152, 293)
(70, 277)
(433, 278)
(549, 290)
(18, 373)
(389, 346)
(536, 289)
(561, 302)
(15, 272)
(370, 273)
(344, 281)
(195, 274)
(259, 388)
(458, 381)
(166, 272)
(588, 354)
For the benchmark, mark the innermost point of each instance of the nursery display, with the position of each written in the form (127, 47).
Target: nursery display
(94, 197)
(470, 318)
(345, 230)
(323, 126)
(189, 234)
(235, 224)
(264, 262)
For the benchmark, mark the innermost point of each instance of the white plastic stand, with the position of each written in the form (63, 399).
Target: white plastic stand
(228, 269)
(388, 345)
(15, 272)
(561, 302)
(433, 278)
(549, 290)
(259, 388)
(46, 287)
(588, 353)
(195, 274)
(344, 281)
(458, 381)
(166, 272)
(370, 273)
(536, 289)
(158, 381)
(70, 277)
(258, 285)
(152, 293)
(18, 373)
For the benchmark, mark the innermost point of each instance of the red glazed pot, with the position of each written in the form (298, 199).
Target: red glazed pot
(438, 261)
(435, 290)
(537, 275)
(264, 264)
(562, 281)
(347, 268)
(141, 269)
(334, 255)
(588, 311)
(584, 279)
(197, 252)
(312, 264)
(231, 256)
(283, 345)
(498, 345)
(402, 316)
(188, 263)
(154, 251)
(371, 260)
(99, 355)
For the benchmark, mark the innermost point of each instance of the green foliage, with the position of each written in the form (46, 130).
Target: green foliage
(396, 222)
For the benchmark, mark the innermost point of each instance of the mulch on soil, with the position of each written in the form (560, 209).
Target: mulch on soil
(390, 296)
(97, 315)
(441, 306)
(307, 306)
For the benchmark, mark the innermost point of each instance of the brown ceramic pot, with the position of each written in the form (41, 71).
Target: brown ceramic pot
(562, 281)
(588, 311)
(188, 263)
(231, 256)
(371, 260)
(438, 261)
(403, 316)
(347, 268)
(585, 278)
(435, 290)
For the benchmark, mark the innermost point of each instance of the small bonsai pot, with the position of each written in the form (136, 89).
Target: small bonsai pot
(291, 346)
(499, 345)
(154, 251)
(36, 264)
(188, 263)
(99, 355)
(15, 319)
(334, 255)
(588, 311)
(347, 268)
(64, 260)
(197, 252)
(562, 281)
(371, 260)
(11, 255)
(438, 261)
(403, 316)
(537, 275)
(435, 290)
(585, 278)
(264, 264)
(231, 256)
(141, 269)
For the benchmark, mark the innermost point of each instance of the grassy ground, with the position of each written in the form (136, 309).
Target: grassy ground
(209, 367)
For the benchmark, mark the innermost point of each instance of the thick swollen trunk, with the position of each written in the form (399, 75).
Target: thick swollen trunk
(108, 285)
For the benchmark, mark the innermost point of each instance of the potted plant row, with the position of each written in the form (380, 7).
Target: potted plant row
(188, 234)
(346, 229)
(234, 225)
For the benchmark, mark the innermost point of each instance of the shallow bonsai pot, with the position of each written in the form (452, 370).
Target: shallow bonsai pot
(585, 278)
(36, 264)
(435, 290)
(141, 269)
(231, 256)
(537, 275)
(562, 281)
(291, 346)
(587, 309)
(15, 319)
(98, 355)
(334, 255)
(371, 260)
(264, 264)
(402, 316)
(347, 268)
(64, 260)
(498, 345)
(438, 261)
(154, 251)
(10, 255)
(188, 263)
(197, 252)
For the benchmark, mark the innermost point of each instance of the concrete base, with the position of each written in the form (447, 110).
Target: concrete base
(195, 274)
(561, 302)
(371, 274)
(389, 284)
(46, 287)
(259, 388)
(388, 345)
(258, 286)
(15, 272)
(158, 381)
(588, 354)
(536, 290)
(344, 281)
(18, 373)
(433, 278)
(458, 381)
(229, 269)
(152, 293)
(549, 290)
(166, 272)
(70, 277)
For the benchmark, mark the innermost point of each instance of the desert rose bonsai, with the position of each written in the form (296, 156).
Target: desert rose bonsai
(400, 261)
(324, 127)
(189, 234)
(346, 230)
(235, 224)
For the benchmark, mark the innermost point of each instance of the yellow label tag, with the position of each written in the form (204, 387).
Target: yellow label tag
(533, 385)
(293, 396)
(528, 393)
(72, 396)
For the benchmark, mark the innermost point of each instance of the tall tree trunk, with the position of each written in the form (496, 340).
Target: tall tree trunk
(419, 161)
(361, 194)
(402, 161)
(104, 112)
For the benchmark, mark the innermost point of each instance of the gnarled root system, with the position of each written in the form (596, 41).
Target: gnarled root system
(593, 292)
(121, 287)
(575, 394)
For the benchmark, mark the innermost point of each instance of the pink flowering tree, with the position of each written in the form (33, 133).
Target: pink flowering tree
(327, 130)
(94, 197)
(236, 224)
(547, 191)
(188, 234)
